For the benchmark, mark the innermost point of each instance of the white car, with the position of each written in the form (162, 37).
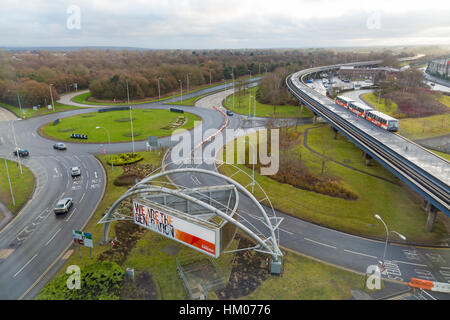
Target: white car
(63, 205)
(75, 171)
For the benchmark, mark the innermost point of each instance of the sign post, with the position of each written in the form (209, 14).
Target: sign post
(83, 239)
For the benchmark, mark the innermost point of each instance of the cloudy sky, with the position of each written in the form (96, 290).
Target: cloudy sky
(189, 24)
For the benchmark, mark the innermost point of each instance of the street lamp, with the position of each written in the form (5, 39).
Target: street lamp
(131, 117)
(159, 89)
(387, 237)
(109, 145)
(187, 76)
(181, 91)
(51, 95)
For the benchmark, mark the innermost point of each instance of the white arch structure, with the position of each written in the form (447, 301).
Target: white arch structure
(267, 245)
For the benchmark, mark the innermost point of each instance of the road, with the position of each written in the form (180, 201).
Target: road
(34, 245)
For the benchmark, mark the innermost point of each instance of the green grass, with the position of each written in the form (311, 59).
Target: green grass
(188, 102)
(441, 154)
(21, 184)
(445, 100)
(29, 112)
(146, 123)
(372, 99)
(306, 279)
(422, 128)
(398, 206)
(241, 104)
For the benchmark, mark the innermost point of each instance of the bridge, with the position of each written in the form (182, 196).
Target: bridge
(422, 170)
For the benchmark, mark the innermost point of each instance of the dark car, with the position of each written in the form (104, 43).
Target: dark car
(21, 152)
(229, 113)
(59, 146)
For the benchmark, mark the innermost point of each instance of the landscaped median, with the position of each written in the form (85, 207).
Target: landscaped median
(377, 190)
(241, 106)
(146, 122)
(22, 185)
(29, 112)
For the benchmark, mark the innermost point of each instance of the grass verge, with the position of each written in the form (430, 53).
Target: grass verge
(241, 106)
(30, 113)
(21, 184)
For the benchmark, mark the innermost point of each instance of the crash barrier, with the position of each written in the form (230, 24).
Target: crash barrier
(113, 109)
(176, 110)
(217, 132)
(430, 285)
(78, 136)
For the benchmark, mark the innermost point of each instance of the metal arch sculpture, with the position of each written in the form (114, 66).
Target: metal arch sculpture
(267, 245)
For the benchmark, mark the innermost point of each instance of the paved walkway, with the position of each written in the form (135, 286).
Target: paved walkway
(67, 99)
(6, 115)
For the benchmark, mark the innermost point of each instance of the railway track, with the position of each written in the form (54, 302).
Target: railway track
(432, 188)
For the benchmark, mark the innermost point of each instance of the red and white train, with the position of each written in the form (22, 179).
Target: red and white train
(361, 110)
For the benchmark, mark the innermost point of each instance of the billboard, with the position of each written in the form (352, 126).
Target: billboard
(172, 226)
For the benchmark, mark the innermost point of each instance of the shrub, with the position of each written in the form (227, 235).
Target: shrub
(125, 158)
(99, 281)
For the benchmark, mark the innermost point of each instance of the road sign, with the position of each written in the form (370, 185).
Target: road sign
(82, 238)
(153, 141)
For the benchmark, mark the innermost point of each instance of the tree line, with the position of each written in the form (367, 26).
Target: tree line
(34, 76)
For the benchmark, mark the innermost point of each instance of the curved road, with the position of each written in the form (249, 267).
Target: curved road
(33, 245)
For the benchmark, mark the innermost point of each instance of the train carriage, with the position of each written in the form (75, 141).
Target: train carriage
(382, 120)
(359, 108)
(343, 101)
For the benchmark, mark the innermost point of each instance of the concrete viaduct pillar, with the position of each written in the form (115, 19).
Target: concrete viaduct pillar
(432, 213)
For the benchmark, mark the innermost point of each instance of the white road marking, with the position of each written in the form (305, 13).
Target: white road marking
(82, 196)
(323, 244)
(25, 265)
(361, 254)
(53, 236)
(73, 211)
(95, 174)
(413, 264)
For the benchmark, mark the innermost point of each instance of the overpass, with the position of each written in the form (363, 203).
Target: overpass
(423, 171)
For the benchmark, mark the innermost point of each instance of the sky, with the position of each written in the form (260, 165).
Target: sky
(221, 24)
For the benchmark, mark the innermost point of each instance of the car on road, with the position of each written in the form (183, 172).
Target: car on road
(21, 152)
(229, 113)
(59, 146)
(75, 171)
(63, 205)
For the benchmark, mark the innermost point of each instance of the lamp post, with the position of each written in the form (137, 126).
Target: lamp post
(51, 95)
(181, 91)
(131, 117)
(187, 76)
(109, 146)
(159, 89)
(387, 237)
(17, 148)
(232, 76)
(249, 94)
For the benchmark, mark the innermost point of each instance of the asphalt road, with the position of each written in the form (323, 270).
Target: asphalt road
(33, 245)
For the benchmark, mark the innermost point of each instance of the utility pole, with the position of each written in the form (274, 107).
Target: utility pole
(20, 105)
(17, 149)
(210, 79)
(51, 95)
(181, 91)
(131, 117)
(187, 76)
(10, 187)
(232, 75)
(159, 89)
